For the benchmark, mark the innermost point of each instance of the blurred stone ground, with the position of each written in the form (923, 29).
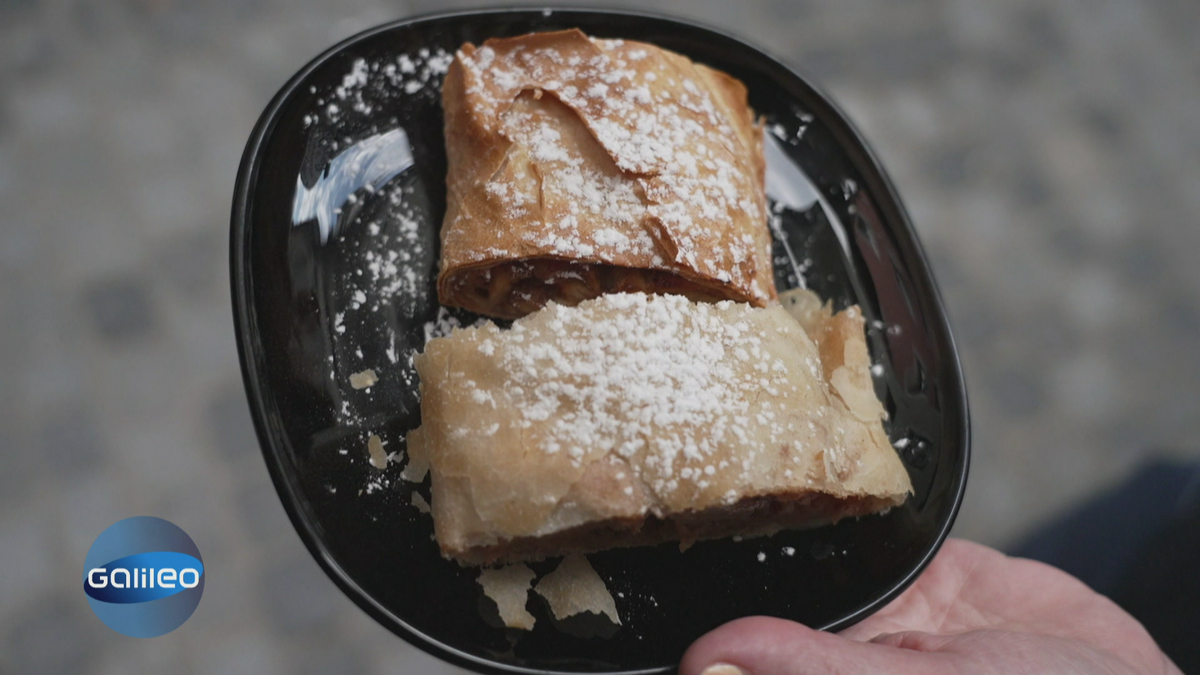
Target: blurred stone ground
(1049, 154)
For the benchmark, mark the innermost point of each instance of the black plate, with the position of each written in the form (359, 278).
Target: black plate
(303, 328)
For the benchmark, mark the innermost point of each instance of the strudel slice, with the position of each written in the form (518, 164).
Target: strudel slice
(580, 166)
(634, 419)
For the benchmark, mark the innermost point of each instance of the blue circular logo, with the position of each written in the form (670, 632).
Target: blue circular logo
(143, 577)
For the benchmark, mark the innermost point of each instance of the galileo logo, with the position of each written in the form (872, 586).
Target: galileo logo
(143, 577)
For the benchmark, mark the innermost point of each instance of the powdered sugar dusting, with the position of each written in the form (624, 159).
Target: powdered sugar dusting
(368, 85)
(387, 275)
(444, 323)
(660, 375)
(571, 189)
(384, 243)
(392, 271)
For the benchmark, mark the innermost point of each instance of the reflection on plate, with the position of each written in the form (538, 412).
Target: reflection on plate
(334, 250)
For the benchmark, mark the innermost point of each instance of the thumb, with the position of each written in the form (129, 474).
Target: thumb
(766, 646)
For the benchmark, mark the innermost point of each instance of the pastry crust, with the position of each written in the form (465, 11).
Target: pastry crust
(635, 419)
(580, 166)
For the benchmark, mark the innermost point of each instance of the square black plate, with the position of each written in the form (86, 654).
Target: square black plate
(309, 314)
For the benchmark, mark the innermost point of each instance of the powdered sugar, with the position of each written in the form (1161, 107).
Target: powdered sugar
(371, 84)
(444, 323)
(659, 371)
(384, 243)
(570, 184)
(392, 270)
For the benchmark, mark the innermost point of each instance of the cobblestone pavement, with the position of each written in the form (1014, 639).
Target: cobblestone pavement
(1048, 152)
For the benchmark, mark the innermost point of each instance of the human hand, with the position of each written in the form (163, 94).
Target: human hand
(974, 610)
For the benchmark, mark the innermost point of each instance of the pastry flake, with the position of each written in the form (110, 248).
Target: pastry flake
(574, 588)
(508, 587)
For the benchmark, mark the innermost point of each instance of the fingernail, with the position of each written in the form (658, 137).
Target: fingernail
(722, 669)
